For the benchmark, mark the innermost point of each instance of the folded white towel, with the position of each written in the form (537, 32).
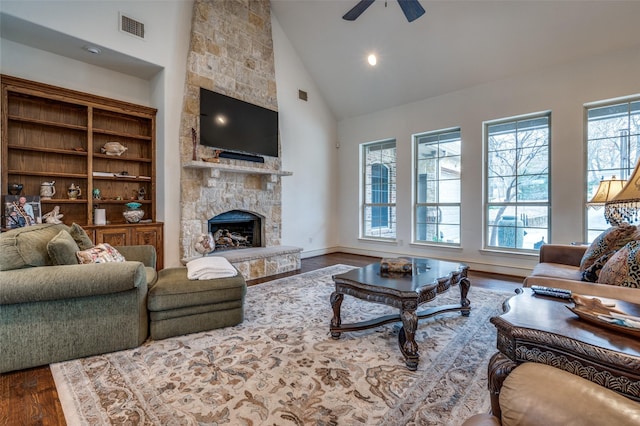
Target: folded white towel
(209, 268)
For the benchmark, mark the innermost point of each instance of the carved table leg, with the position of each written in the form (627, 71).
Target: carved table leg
(407, 337)
(464, 285)
(336, 303)
(499, 368)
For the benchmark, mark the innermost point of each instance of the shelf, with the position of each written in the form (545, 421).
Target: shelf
(120, 179)
(121, 134)
(117, 157)
(47, 123)
(231, 168)
(123, 202)
(48, 174)
(63, 201)
(49, 150)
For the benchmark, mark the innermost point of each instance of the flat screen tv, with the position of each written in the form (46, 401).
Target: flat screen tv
(233, 125)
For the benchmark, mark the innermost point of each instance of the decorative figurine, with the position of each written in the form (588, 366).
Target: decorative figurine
(194, 139)
(74, 192)
(141, 193)
(113, 148)
(47, 190)
(204, 244)
(15, 188)
(96, 193)
(53, 216)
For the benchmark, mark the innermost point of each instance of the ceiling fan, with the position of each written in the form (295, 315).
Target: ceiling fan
(411, 8)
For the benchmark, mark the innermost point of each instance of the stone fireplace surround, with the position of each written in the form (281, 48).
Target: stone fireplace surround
(231, 52)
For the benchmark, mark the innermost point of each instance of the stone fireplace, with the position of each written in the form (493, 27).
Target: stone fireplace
(231, 52)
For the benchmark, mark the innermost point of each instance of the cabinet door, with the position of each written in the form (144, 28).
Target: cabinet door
(113, 236)
(150, 235)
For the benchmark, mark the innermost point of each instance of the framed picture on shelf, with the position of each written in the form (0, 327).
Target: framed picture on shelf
(22, 210)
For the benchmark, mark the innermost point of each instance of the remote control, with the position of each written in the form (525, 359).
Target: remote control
(551, 291)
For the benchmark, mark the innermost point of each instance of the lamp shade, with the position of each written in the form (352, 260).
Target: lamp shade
(625, 205)
(606, 191)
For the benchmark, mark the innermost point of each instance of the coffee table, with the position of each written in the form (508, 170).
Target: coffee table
(406, 292)
(541, 329)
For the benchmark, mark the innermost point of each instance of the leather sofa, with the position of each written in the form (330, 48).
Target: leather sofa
(51, 313)
(538, 394)
(559, 266)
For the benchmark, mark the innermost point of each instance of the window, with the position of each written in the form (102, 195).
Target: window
(437, 187)
(379, 190)
(517, 183)
(613, 147)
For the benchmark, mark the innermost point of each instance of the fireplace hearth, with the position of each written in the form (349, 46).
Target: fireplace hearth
(236, 229)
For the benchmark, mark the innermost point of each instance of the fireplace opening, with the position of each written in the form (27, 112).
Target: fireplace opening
(236, 229)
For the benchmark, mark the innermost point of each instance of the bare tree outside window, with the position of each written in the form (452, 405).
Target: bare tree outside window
(517, 189)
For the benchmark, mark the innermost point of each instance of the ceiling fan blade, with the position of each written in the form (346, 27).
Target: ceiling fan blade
(357, 10)
(412, 9)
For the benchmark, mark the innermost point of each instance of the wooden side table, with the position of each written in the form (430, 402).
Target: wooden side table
(541, 329)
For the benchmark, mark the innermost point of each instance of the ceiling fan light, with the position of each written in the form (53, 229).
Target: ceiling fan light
(372, 59)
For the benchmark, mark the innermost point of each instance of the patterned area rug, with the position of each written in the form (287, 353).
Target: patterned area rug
(281, 367)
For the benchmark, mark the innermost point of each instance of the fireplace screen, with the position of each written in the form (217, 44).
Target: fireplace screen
(236, 229)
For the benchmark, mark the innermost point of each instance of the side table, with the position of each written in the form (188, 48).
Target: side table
(541, 329)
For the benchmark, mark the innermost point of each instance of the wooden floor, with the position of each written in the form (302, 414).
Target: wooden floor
(29, 397)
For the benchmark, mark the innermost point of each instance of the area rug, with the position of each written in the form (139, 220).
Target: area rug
(281, 367)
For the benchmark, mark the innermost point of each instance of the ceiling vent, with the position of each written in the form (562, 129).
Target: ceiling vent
(131, 26)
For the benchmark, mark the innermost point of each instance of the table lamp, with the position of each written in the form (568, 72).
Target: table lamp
(625, 205)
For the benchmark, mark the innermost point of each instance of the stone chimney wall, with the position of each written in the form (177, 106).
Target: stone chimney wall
(231, 52)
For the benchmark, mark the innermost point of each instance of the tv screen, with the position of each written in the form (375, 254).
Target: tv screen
(233, 125)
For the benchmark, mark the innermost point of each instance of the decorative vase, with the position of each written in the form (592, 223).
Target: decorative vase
(133, 213)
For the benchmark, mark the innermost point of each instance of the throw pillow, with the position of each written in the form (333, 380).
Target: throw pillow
(81, 237)
(102, 253)
(609, 240)
(623, 269)
(62, 249)
(592, 272)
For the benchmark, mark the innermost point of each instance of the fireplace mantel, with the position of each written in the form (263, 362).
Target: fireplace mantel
(215, 170)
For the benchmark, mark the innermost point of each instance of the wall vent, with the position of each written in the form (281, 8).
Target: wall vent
(302, 95)
(131, 26)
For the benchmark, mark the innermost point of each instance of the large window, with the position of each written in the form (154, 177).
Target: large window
(379, 190)
(437, 187)
(613, 147)
(517, 183)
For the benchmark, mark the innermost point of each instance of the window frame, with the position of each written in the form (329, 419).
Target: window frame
(439, 205)
(590, 187)
(519, 226)
(391, 192)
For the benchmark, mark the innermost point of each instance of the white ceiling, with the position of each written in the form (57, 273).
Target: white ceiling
(454, 45)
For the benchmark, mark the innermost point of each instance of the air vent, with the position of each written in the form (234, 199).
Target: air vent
(302, 95)
(131, 26)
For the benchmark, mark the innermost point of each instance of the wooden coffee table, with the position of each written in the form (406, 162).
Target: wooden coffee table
(405, 292)
(541, 329)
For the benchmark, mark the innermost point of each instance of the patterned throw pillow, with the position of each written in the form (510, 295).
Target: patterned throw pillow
(102, 253)
(623, 269)
(62, 249)
(592, 273)
(609, 240)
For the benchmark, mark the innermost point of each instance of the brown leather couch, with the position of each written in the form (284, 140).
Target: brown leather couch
(559, 266)
(538, 394)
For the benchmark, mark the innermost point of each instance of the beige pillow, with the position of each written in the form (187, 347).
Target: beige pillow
(609, 240)
(62, 249)
(81, 237)
(102, 253)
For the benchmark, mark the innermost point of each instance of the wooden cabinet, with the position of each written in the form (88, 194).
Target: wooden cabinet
(55, 134)
(130, 234)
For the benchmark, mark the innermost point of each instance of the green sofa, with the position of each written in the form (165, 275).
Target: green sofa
(54, 312)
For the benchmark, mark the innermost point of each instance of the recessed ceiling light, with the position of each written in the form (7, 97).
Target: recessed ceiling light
(372, 60)
(93, 49)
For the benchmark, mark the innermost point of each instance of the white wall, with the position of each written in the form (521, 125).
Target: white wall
(562, 90)
(308, 142)
(164, 45)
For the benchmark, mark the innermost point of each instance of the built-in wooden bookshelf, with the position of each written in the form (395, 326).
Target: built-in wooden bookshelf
(55, 134)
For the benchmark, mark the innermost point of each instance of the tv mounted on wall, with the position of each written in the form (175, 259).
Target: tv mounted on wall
(233, 125)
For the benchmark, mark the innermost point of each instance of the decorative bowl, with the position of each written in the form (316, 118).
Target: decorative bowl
(133, 216)
(133, 205)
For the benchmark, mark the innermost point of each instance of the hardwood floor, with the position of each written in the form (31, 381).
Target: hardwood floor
(29, 397)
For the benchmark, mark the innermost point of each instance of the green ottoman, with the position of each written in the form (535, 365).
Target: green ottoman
(178, 305)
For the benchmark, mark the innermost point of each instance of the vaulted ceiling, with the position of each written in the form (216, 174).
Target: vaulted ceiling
(456, 44)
